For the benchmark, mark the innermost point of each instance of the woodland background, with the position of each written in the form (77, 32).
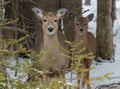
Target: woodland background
(17, 20)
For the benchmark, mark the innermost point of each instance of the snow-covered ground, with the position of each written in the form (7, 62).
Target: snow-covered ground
(105, 67)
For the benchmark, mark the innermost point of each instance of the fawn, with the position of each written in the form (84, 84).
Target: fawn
(88, 42)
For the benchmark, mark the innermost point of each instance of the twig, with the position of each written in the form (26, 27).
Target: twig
(108, 85)
(14, 29)
(10, 22)
(5, 3)
(85, 11)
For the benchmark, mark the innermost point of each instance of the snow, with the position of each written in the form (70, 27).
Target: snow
(105, 67)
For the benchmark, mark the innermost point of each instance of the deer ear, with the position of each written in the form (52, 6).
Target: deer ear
(61, 12)
(72, 16)
(38, 12)
(90, 17)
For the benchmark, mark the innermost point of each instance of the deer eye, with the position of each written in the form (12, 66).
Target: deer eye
(85, 23)
(44, 20)
(55, 20)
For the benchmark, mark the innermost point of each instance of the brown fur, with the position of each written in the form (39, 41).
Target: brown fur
(88, 42)
(51, 43)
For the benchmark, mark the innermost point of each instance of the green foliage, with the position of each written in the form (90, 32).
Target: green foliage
(36, 70)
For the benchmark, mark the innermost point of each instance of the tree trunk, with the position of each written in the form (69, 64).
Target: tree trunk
(104, 29)
(2, 60)
(87, 2)
(113, 14)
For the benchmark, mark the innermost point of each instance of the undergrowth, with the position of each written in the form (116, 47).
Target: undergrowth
(31, 67)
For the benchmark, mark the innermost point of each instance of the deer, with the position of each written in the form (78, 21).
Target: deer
(88, 42)
(52, 39)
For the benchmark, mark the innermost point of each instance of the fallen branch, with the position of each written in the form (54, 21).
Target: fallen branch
(109, 86)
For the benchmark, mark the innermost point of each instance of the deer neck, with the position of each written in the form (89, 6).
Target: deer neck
(81, 39)
(50, 42)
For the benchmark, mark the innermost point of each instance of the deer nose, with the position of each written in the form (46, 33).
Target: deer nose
(81, 30)
(50, 29)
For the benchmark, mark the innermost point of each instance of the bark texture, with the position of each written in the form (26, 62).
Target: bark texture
(113, 14)
(104, 29)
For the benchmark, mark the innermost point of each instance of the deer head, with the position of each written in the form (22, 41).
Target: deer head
(49, 20)
(81, 24)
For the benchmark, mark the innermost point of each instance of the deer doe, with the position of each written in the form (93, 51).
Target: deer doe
(88, 42)
(51, 39)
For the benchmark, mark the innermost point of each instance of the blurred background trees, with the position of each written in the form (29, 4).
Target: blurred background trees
(21, 9)
(18, 20)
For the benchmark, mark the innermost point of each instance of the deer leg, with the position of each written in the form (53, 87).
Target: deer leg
(78, 82)
(85, 79)
(87, 64)
(46, 79)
